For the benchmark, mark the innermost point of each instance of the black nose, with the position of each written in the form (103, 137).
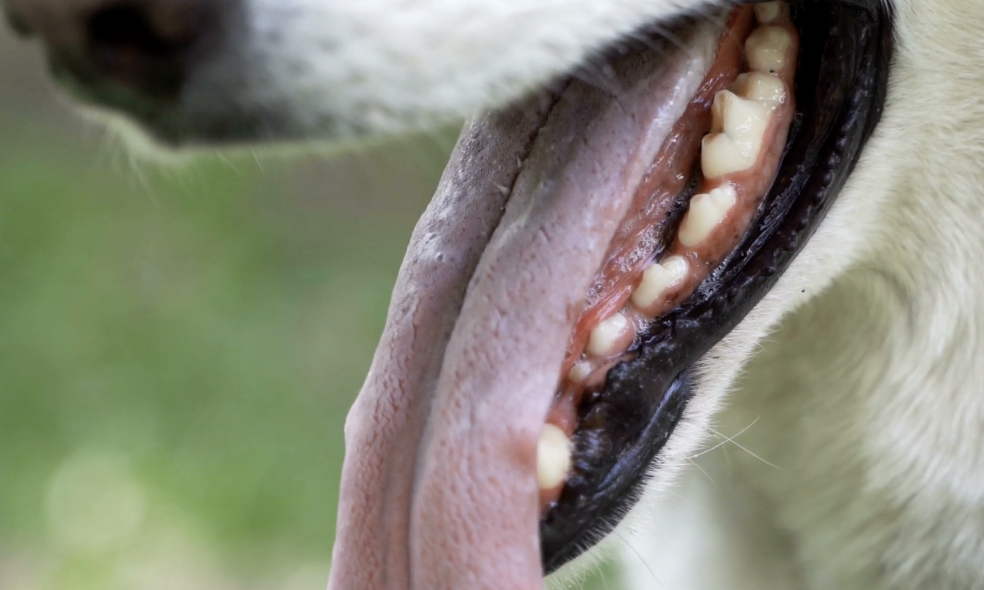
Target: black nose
(144, 48)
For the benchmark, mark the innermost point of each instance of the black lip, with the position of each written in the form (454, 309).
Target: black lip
(841, 86)
(84, 82)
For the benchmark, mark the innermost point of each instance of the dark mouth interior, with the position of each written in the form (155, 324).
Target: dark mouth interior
(622, 424)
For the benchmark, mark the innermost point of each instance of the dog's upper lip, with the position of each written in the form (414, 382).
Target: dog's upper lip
(439, 489)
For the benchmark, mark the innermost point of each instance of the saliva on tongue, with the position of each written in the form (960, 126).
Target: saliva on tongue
(736, 124)
(440, 486)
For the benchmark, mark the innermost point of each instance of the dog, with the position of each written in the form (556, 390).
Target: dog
(849, 389)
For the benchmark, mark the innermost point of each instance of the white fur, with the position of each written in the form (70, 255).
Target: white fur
(343, 69)
(860, 378)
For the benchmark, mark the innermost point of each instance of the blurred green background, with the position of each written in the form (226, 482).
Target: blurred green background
(179, 347)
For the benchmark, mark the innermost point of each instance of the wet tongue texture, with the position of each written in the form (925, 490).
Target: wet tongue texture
(439, 487)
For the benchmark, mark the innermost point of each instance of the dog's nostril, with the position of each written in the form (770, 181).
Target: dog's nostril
(122, 30)
(155, 34)
(144, 45)
(128, 28)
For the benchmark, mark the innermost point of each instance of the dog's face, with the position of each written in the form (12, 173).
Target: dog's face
(444, 478)
(210, 71)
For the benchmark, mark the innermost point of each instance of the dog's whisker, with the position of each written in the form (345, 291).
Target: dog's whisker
(723, 442)
(621, 538)
(737, 444)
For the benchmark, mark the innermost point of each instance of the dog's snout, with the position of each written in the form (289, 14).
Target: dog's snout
(143, 47)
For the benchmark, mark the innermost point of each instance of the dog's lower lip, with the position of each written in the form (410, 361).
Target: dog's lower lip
(840, 89)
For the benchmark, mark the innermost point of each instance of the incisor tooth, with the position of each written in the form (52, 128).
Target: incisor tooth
(606, 334)
(658, 278)
(553, 457)
(763, 88)
(705, 213)
(767, 12)
(766, 49)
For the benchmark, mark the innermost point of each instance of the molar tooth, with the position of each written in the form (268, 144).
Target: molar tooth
(658, 278)
(719, 155)
(766, 49)
(553, 457)
(767, 12)
(606, 334)
(743, 123)
(763, 88)
(743, 120)
(705, 213)
(580, 371)
(717, 112)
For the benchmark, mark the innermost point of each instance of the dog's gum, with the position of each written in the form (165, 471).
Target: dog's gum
(621, 288)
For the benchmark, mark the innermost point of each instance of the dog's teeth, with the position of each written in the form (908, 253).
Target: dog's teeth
(658, 278)
(579, 372)
(768, 12)
(705, 213)
(553, 457)
(766, 49)
(604, 337)
(719, 156)
(742, 120)
(766, 89)
(742, 124)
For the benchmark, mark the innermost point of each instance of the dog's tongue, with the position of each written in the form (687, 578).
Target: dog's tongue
(439, 487)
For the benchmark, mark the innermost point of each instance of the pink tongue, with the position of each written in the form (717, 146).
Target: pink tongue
(439, 484)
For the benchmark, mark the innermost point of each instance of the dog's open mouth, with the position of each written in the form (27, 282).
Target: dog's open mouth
(585, 250)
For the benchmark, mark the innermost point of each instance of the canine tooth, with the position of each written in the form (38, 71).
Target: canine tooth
(604, 336)
(579, 372)
(766, 49)
(760, 87)
(553, 457)
(658, 278)
(705, 213)
(767, 12)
